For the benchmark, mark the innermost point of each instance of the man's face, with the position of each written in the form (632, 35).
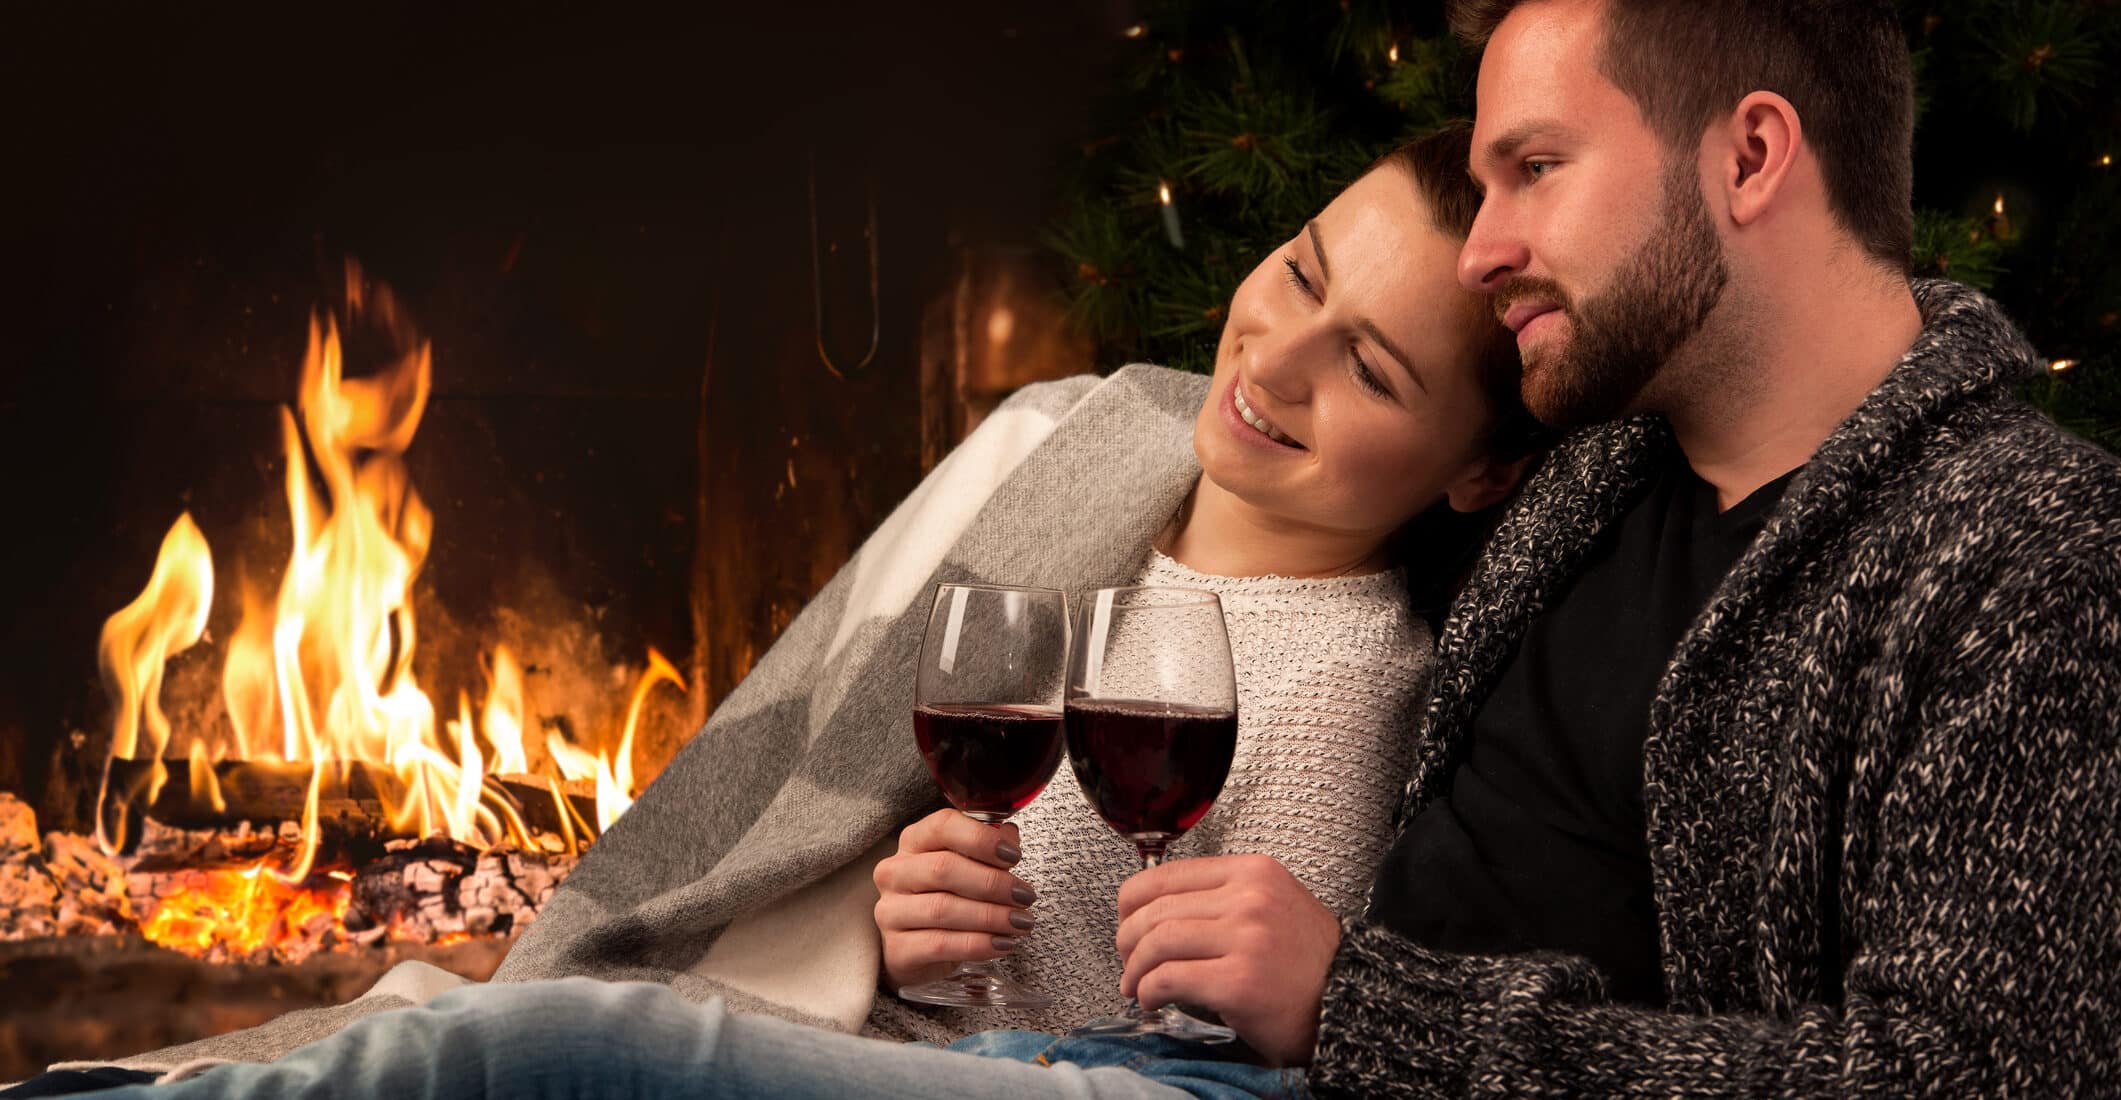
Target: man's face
(1593, 237)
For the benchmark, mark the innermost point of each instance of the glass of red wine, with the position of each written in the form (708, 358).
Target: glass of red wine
(1151, 720)
(987, 714)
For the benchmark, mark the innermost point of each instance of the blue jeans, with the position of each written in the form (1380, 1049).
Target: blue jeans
(596, 1040)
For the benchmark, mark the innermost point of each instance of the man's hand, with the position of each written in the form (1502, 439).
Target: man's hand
(1234, 934)
(947, 897)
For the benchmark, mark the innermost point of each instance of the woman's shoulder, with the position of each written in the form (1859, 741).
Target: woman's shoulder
(1163, 387)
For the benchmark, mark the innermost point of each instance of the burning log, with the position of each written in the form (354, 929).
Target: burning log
(249, 790)
(438, 889)
(353, 815)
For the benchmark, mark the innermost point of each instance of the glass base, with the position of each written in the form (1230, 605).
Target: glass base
(1168, 1020)
(975, 987)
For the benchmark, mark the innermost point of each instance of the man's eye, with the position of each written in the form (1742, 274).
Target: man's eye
(1537, 168)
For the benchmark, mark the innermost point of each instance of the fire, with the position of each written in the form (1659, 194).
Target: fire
(320, 672)
(244, 910)
(168, 618)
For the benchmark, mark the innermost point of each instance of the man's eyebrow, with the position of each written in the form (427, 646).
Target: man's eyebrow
(1509, 141)
(1369, 327)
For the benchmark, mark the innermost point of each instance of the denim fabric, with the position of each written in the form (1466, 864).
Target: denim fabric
(1206, 1072)
(579, 1038)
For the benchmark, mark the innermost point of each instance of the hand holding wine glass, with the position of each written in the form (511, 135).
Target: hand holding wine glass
(1237, 934)
(947, 896)
(986, 712)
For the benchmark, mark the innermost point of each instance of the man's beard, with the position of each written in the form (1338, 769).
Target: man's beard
(1620, 339)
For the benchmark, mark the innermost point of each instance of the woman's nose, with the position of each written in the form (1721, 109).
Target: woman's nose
(1284, 359)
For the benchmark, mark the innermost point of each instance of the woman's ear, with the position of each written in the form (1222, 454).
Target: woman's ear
(1485, 484)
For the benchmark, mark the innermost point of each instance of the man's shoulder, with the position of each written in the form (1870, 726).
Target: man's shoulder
(2024, 507)
(2026, 470)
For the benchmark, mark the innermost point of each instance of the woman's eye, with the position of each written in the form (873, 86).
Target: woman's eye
(1296, 277)
(1368, 378)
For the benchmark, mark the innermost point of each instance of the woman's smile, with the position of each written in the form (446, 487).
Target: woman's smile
(1248, 425)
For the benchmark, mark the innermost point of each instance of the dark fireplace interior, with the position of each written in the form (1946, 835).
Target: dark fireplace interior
(661, 416)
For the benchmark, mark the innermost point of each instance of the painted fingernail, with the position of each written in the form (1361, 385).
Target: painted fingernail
(1004, 943)
(1007, 852)
(1022, 894)
(1022, 919)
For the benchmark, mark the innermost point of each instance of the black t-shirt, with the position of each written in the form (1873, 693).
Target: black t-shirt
(1539, 842)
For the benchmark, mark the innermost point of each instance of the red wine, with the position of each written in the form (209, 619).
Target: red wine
(1150, 769)
(990, 760)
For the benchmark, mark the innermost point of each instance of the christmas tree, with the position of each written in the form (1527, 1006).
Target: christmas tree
(1238, 120)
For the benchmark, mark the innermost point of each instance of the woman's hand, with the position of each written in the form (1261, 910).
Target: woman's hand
(1238, 935)
(948, 897)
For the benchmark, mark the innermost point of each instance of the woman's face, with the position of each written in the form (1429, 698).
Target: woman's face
(1356, 350)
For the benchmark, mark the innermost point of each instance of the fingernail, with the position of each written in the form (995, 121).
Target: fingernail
(1004, 943)
(1022, 919)
(1024, 895)
(1007, 852)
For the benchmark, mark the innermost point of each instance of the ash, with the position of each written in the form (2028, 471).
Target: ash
(434, 891)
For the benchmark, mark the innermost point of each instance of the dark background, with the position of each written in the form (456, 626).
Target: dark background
(599, 217)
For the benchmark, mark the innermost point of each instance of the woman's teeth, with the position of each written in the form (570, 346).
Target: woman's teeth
(1257, 421)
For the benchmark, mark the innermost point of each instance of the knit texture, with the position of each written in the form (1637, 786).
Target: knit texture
(1881, 777)
(1325, 730)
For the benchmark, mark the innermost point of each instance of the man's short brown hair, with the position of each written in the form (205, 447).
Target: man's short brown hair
(1842, 63)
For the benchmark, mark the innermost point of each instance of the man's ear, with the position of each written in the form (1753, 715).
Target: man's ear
(1485, 484)
(1757, 149)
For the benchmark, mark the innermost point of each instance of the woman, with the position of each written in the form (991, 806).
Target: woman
(1356, 389)
(1359, 399)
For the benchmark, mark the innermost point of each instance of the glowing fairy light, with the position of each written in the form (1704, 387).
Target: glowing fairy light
(1170, 211)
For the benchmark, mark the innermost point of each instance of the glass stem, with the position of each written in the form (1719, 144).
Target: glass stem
(1152, 855)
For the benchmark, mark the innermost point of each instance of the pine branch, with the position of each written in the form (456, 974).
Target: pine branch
(1956, 247)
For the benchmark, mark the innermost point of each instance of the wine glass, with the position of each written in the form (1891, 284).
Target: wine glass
(987, 714)
(1151, 719)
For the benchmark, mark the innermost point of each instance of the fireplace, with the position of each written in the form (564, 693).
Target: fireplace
(663, 399)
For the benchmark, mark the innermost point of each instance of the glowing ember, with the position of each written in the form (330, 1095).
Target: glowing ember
(243, 910)
(320, 672)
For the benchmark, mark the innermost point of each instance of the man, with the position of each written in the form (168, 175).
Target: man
(1773, 745)
(1775, 753)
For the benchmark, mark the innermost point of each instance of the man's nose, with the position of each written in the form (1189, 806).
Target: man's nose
(1493, 252)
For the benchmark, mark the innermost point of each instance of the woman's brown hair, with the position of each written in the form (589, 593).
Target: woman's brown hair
(1438, 547)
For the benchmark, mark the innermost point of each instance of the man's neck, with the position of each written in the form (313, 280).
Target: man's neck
(1811, 352)
(1217, 533)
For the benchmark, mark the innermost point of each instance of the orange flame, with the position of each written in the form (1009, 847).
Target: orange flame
(320, 672)
(245, 910)
(167, 619)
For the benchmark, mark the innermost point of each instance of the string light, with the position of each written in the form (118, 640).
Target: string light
(1170, 212)
(1999, 223)
(1392, 55)
(2106, 160)
(2060, 365)
(1135, 31)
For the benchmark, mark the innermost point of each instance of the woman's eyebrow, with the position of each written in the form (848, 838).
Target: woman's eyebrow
(1369, 327)
(1318, 247)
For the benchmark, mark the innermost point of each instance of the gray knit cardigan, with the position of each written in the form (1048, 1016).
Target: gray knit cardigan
(1881, 780)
